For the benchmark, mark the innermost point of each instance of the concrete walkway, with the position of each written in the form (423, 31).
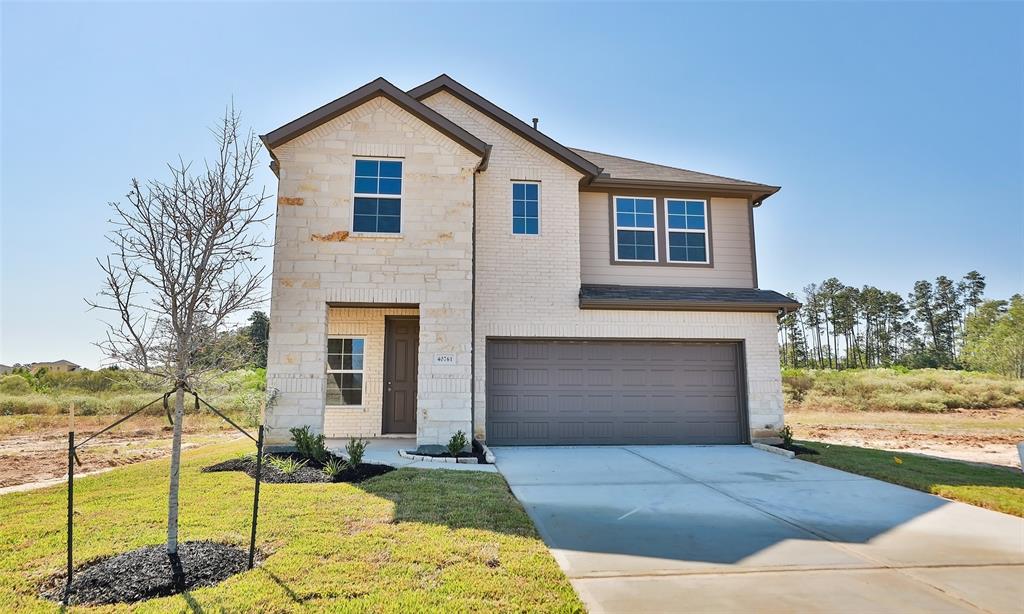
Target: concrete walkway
(731, 528)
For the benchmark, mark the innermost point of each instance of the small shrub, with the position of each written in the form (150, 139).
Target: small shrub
(286, 464)
(457, 443)
(797, 383)
(786, 433)
(309, 445)
(355, 450)
(333, 467)
(15, 384)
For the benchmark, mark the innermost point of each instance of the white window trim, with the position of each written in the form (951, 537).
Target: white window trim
(400, 196)
(616, 228)
(669, 231)
(511, 209)
(329, 371)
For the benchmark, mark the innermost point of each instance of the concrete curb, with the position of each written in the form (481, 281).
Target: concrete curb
(436, 459)
(767, 448)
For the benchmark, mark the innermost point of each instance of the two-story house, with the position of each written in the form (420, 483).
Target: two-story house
(441, 265)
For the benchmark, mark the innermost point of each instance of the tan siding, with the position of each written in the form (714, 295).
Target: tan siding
(730, 240)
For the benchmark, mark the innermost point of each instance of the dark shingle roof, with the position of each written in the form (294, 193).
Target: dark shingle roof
(599, 296)
(617, 168)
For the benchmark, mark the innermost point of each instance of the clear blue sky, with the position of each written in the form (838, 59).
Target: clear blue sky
(896, 130)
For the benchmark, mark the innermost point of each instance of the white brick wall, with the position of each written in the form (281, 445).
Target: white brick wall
(528, 286)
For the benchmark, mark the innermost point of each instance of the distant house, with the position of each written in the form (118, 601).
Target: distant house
(59, 366)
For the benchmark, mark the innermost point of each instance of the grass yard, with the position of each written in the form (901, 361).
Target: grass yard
(411, 540)
(991, 487)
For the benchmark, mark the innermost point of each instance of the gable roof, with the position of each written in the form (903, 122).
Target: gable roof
(626, 171)
(373, 89)
(503, 117)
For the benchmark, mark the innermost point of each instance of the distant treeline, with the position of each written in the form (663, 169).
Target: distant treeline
(942, 324)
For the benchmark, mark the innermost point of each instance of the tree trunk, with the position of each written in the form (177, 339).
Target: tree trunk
(172, 499)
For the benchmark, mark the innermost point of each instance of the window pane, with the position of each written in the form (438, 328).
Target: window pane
(645, 252)
(357, 346)
(365, 185)
(695, 223)
(677, 221)
(635, 245)
(644, 220)
(531, 226)
(531, 209)
(519, 191)
(624, 205)
(389, 206)
(644, 205)
(336, 361)
(697, 254)
(532, 190)
(367, 168)
(644, 238)
(365, 223)
(351, 396)
(518, 208)
(334, 346)
(391, 168)
(626, 252)
(676, 207)
(366, 206)
(694, 208)
(687, 247)
(389, 223)
(625, 219)
(518, 225)
(390, 186)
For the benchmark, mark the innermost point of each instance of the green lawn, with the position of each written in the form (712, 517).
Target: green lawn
(411, 540)
(992, 487)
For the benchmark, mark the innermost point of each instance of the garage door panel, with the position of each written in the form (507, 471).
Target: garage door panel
(612, 392)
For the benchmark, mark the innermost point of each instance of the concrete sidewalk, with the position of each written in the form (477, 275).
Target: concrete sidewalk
(730, 528)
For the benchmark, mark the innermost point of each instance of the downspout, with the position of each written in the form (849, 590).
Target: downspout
(472, 323)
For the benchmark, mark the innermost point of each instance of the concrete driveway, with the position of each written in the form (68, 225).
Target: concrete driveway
(731, 528)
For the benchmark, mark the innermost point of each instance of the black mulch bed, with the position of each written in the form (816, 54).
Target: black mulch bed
(796, 448)
(146, 573)
(477, 453)
(311, 473)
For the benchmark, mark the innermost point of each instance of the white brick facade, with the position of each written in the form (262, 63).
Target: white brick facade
(328, 281)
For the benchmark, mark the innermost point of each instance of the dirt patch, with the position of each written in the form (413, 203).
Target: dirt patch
(968, 435)
(146, 573)
(42, 454)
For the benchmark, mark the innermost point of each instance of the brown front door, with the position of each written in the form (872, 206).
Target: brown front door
(401, 346)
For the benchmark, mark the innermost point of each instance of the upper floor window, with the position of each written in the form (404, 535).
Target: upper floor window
(525, 208)
(686, 230)
(635, 229)
(377, 202)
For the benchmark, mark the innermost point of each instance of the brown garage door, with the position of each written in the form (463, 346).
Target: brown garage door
(556, 392)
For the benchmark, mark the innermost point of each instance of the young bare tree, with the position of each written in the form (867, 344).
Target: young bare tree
(185, 259)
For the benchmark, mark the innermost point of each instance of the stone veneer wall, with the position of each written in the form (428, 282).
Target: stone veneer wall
(527, 286)
(318, 261)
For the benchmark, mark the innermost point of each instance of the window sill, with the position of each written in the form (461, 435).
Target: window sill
(383, 236)
(346, 407)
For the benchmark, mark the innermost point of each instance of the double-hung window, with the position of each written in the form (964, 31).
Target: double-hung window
(525, 208)
(686, 230)
(635, 230)
(344, 371)
(377, 202)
